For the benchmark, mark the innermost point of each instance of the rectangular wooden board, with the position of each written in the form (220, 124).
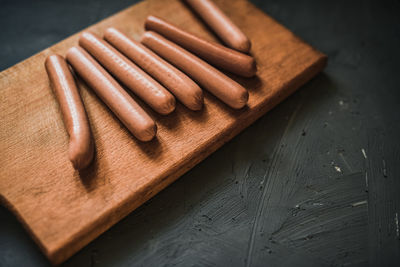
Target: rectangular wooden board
(63, 209)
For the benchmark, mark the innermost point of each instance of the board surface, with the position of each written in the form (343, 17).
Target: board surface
(64, 209)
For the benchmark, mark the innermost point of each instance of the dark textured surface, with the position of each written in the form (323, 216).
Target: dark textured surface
(313, 183)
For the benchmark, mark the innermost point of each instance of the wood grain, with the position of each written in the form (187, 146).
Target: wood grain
(64, 209)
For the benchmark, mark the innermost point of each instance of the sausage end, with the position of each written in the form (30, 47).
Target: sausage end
(241, 100)
(109, 33)
(197, 100)
(147, 132)
(251, 68)
(80, 153)
(243, 45)
(167, 105)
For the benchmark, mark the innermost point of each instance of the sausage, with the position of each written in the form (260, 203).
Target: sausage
(227, 90)
(229, 33)
(138, 122)
(214, 53)
(81, 147)
(184, 88)
(144, 86)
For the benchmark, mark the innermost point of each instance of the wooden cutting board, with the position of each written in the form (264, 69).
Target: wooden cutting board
(64, 209)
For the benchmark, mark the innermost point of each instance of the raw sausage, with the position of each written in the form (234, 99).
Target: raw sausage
(144, 86)
(187, 91)
(117, 99)
(81, 148)
(214, 53)
(221, 24)
(227, 90)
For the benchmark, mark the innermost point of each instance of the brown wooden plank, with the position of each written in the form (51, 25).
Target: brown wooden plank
(63, 209)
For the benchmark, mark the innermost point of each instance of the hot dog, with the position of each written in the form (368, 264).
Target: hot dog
(81, 148)
(227, 90)
(229, 33)
(144, 86)
(187, 91)
(117, 99)
(215, 54)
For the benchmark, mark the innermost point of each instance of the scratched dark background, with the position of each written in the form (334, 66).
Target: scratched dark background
(315, 182)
